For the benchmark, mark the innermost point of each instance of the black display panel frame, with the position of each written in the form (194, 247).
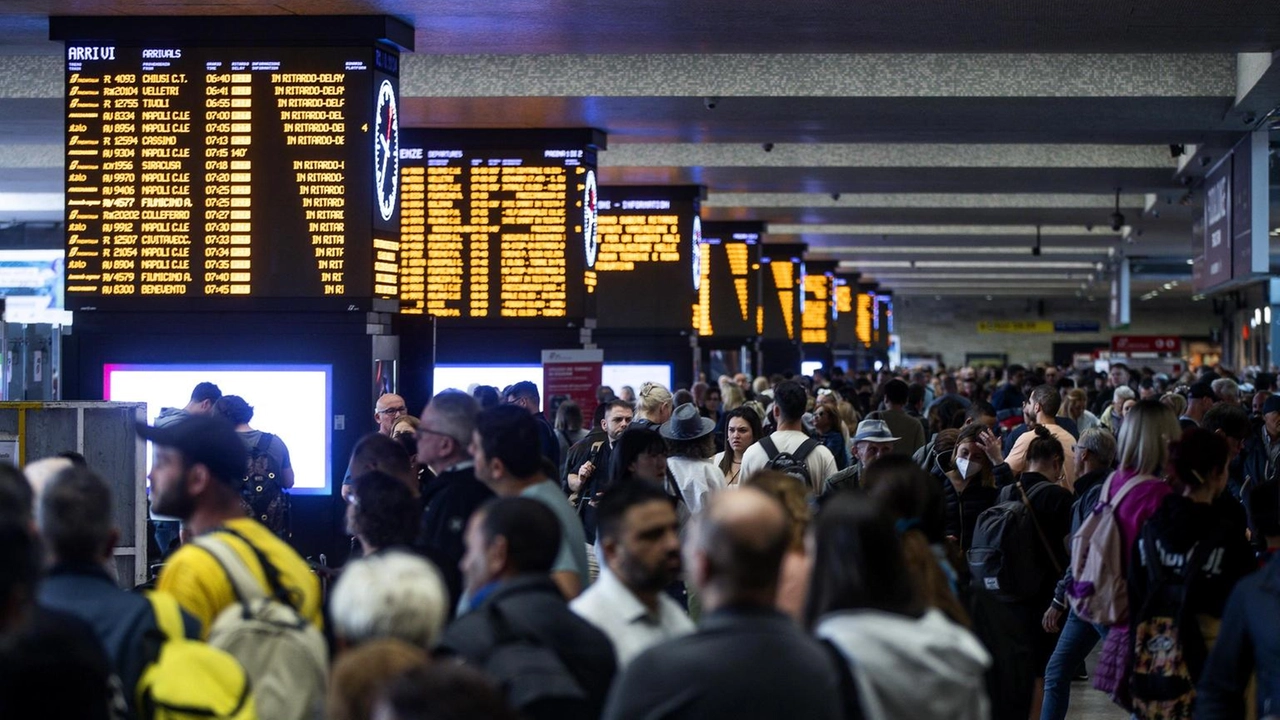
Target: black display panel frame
(721, 294)
(780, 302)
(653, 294)
(459, 150)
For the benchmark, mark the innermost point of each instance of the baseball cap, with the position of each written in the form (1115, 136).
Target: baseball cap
(1271, 404)
(206, 439)
(1202, 390)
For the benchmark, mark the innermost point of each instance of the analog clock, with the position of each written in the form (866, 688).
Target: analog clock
(590, 216)
(386, 150)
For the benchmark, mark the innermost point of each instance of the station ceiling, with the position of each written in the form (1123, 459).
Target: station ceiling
(921, 142)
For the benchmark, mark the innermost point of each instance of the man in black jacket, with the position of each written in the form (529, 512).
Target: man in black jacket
(511, 547)
(747, 659)
(453, 495)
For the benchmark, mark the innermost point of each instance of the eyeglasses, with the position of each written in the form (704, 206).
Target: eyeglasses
(423, 431)
(400, 410)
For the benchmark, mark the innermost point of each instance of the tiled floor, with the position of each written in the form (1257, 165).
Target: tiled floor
(1089, 704)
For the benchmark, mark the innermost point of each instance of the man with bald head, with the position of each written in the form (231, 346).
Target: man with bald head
(747, 659)
(387, 410)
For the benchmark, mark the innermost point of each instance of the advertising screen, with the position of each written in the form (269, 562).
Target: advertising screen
(615, 375)
(290, 401)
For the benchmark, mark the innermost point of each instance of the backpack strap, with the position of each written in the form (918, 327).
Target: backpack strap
(850, 702)
(805, 448)
(770, 449)
(168, 615)
(264, 443)
(1026, 500)
(243, 583)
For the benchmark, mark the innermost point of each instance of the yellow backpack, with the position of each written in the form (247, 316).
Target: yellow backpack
(188, 679)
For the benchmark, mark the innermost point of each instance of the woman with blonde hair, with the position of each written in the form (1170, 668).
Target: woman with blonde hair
(1134, 492)
(1076, 406)
(793, 582)
(654, 405)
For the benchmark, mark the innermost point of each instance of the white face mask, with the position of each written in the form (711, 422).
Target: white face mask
(966, 468)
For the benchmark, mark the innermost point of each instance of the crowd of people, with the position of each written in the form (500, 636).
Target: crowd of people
(916, 544)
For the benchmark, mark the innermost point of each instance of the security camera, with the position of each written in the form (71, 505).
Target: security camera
(835, 196)
(768, 147)
(1089, 227)
(710, 103)
(1117, 221)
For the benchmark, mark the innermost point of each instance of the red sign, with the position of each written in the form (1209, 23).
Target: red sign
(1165, 344)
(572, 374)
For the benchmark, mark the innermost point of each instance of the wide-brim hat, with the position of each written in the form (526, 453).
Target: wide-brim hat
(874, 431)
(686, 423)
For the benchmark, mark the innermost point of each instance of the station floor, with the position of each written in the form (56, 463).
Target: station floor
(1089, 704)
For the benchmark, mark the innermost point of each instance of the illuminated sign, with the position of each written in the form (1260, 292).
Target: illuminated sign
(817, 305)
(780, 293)
(498, 224)
(214, 172)
(649, 264)
(866, 313)
(728, 295)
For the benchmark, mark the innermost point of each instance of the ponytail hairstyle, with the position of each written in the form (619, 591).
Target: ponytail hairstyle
(1197, 456)
(916, 503)
(1045, 447)
(651, 398)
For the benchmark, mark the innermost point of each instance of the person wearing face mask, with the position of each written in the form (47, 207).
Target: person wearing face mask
(972, 468)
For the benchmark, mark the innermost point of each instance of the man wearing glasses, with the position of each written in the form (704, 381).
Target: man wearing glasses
(387, 410)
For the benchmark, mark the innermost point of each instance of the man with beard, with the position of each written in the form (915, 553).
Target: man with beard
(639, 536)
(196, 474)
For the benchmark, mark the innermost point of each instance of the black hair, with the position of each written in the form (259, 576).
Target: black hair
(234, 408)
(386, 513)
(979, 409)
(602, 409)
(76, 458)
(1196, 455)
(445, 691)
(791, 400)
(510, 434)
(1230, 419)
(531, 529)
(206, 391)
(522, 389)
(75, 515)
(711, 389)
(748, 416)
(19, 564)
(915, 393)
(487, 396)
(896, 392)
(1047, 397)
(1045, 447)
(634, 442)
(858, 562)
(905, 490)
(16, 497)
(376, 450)
(620, 498)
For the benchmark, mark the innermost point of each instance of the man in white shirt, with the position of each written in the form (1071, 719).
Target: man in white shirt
(789, 401)
(641, 544)
(1042, 409)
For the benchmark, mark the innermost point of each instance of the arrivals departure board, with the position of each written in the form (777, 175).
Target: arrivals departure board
(649, 270)
(728, 296)
(846, 300)
(882, 319)
(196, 174)
(817, 302)
(498, 224)
(780, 278)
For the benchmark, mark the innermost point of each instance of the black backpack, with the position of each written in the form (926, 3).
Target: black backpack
(264, 498)
(792, 463)
(1002, 557)
(1169, 650)
(534, 678)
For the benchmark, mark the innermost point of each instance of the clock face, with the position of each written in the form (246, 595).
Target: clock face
(386, 150)
(697, 253)
(590, 216)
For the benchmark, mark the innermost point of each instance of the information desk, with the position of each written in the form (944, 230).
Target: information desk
(729, 295)
(780, 271)
(650, 267)
(197, 172)
(498, 224)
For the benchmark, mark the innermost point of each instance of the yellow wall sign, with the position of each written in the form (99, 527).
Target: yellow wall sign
(1016, 326)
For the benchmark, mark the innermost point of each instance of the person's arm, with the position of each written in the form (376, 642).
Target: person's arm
(569, 582)
(1220, 693)
(286, 478)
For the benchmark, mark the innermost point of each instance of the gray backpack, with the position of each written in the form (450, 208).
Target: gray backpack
(283, 654)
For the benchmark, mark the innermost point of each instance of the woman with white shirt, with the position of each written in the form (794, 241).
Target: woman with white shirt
(691, 446)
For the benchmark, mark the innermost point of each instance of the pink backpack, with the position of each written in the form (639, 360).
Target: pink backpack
(1099, 591)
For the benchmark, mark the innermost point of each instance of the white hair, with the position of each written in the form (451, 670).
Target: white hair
(392, 594)
(1122, 393)
(1226, 388)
